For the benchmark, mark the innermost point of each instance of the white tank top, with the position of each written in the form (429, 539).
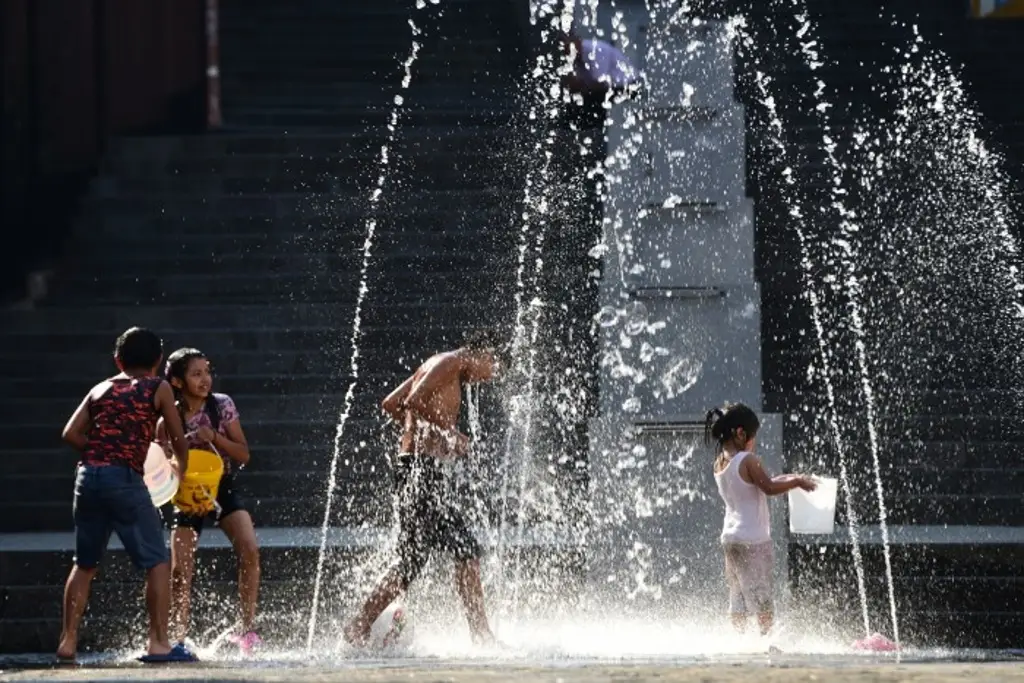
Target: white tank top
(746, 506)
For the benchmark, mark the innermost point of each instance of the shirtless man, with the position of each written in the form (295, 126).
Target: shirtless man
(427, 406)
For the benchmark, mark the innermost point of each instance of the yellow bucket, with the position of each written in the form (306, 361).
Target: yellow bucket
(197, 492)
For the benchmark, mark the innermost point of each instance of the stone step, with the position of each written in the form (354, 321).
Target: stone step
(413, 162)
(931, 402)
(406, 141)
(239, 368)
(926, 510)
(328, 119)
(908, 480)
(252, 486)
(52, 407)
(267, 432)
(313, 52)
(370, 475)
(56, 516)
(32, 573)
(230, 288)
(400, 341)
(952, 454)
(113, 320)
(464, 173)
(785, 364)
(242, 368)
(357, 460)
(310, 41)
(497, 216)
(492, 296)
(295, 206)
(398, 240)
(237, 10)
(375, 94)
(910, 560)
(107, 600)
(55, 460)
(967, 593)
(373, 383)
(381, 66)
(302, 35)
(917, 510)
(149, 266)
(366, 506)
(392, 233)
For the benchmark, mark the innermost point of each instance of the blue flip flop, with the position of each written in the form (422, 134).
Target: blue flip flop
(178, 653)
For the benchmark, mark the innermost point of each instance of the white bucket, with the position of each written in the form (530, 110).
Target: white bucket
(813, 512)
(391, 629)
(160, 479)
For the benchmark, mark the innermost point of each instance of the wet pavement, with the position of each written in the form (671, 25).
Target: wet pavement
(936, 667)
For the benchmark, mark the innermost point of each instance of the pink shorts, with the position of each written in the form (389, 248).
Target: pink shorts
(748, 572)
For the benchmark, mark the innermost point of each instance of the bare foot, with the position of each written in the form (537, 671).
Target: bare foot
(67, 650)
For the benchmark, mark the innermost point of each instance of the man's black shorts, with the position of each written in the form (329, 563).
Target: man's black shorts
(428, 522)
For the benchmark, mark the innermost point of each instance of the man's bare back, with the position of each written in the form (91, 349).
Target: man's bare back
(427, 404)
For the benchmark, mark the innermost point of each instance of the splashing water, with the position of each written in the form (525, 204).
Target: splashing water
(464, 467)
(849, 260)
(798, 216)
(371, 228)
(524, 343)
(683, 372)
(934, 107)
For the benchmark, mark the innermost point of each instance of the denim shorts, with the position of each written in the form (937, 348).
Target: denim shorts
(114, 498)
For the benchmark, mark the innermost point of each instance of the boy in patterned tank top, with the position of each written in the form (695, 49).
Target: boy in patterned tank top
(113, 428)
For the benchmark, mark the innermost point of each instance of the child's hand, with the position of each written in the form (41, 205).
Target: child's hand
(206, 434)
(807, 483)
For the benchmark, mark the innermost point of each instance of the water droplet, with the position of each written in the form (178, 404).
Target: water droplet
(636, 316)
(631, 405)
(672, 202)
(681, 376)
(607, 316)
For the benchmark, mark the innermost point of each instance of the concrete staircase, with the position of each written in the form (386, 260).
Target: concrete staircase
(248, 244)
(269, 294)
(344, 68)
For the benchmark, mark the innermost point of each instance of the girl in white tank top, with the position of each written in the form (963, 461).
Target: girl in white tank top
(746, 532)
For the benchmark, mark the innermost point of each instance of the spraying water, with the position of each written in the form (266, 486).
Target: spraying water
(524, 343)
(933, 103)
(848, 258)
(371, 227)
(798, 215)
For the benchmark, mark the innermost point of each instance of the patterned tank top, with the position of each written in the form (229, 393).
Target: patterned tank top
(123, 424)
